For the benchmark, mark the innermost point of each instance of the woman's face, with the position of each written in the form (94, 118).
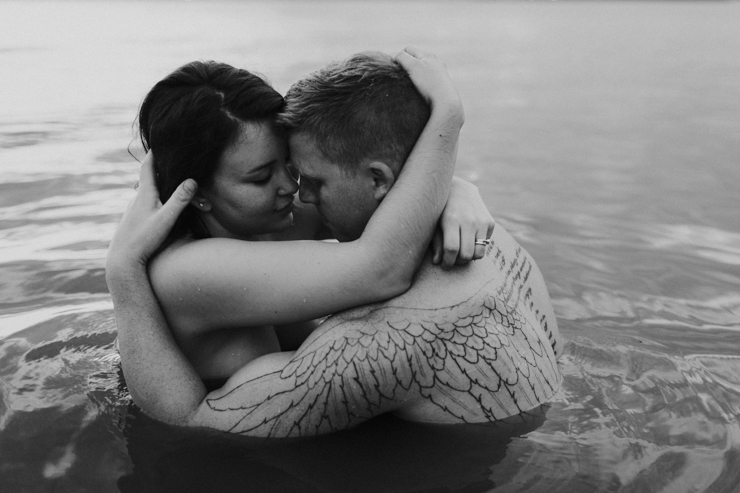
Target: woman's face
(252, 190)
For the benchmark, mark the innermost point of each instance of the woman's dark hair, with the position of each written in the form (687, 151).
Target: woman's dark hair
(191, 117)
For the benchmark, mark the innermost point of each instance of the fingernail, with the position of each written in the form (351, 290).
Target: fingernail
(190, 186)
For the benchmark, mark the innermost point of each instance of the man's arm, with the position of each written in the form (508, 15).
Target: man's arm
(148, 351)
(159, 377)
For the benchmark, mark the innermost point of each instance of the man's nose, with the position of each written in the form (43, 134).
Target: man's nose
(307, 195)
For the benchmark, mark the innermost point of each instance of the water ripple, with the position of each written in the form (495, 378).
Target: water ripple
(710, 243)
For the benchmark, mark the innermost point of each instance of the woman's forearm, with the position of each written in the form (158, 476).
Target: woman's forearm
(404, 223)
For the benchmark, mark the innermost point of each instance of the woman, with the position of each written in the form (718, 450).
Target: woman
(231, 287)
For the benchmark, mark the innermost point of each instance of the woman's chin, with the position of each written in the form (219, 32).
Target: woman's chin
(283, 223)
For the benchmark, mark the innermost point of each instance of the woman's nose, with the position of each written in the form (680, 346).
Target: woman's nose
(288, 184)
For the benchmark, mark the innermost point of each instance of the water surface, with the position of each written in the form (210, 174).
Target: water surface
(604, 136)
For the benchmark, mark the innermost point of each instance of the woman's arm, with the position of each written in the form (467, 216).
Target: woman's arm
(464, 220)
(220, 283)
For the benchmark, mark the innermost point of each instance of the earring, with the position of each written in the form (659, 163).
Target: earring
(200, 204)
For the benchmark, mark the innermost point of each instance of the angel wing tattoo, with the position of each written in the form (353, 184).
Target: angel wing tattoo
(478, 360)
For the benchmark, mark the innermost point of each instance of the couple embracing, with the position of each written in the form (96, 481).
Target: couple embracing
(435, 313)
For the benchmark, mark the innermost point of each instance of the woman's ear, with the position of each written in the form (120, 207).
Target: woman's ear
(383, 179)
(201, 203)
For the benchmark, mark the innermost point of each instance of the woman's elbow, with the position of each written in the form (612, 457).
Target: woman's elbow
(392, 281)
(385, 275)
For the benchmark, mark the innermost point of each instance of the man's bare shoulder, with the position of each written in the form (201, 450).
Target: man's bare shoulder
(480, 340)
(507, 271)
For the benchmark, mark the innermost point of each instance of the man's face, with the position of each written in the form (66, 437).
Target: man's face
(344, 199)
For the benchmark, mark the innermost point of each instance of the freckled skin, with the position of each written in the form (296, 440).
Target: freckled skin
(250, 198)
(252, 189)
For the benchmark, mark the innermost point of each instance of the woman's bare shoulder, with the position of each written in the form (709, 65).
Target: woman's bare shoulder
(179, 261)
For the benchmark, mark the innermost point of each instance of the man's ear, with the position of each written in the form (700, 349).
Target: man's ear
(383, 179)
(201, 203)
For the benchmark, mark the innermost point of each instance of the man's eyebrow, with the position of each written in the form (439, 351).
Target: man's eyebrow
(308, 177)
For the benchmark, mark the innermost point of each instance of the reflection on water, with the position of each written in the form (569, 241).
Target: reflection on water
(385, 455)
(604, 136)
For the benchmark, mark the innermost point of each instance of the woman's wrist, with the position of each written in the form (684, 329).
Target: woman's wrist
(448, 113)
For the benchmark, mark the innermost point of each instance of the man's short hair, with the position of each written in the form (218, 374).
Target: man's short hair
(363, 108)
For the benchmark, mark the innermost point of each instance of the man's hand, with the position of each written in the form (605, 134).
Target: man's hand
(146, 222)
(464, 220)
(160, 378)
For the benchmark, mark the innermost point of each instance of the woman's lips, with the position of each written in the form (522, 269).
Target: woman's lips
(286, 208)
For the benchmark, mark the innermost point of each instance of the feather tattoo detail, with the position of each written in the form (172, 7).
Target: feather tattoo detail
(479, 360)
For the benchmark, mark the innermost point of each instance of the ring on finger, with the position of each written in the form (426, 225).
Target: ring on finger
(484, 242)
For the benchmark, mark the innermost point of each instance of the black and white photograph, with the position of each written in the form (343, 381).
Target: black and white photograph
(359, 246)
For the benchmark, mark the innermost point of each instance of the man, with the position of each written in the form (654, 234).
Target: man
(476, 343)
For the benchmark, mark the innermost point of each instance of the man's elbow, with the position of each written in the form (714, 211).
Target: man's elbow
(163, 408)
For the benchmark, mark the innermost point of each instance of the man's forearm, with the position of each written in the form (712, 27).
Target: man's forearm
(161, 380)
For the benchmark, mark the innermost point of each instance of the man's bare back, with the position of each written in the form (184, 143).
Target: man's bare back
(478, 343)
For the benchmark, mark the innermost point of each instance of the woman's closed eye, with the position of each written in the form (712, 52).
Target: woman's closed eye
(262, 180)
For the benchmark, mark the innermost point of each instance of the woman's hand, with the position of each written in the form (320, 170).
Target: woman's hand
(465, 217)
(464, 220)
(146, 222)
(431, 79)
